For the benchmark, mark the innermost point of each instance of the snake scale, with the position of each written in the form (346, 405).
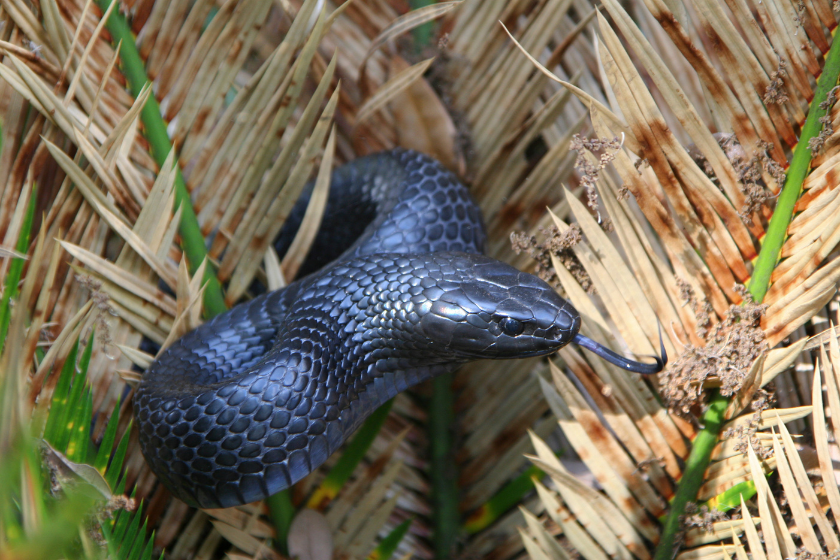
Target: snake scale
(256, 398)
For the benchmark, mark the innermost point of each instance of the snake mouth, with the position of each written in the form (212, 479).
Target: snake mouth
(538, 353)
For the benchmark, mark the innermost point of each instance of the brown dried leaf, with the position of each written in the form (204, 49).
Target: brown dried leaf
(390, 89)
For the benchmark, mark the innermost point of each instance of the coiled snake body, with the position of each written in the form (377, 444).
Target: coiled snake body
(255, 399)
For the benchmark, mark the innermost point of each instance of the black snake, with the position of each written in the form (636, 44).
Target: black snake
(256, 398)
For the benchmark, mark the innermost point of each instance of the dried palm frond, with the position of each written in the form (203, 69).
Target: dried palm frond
(708, 205)
(250, 94)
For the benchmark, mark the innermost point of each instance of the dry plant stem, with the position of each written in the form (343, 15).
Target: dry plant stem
(771, 246)
(192, 241)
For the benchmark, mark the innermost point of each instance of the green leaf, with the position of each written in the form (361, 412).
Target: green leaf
(130, 533)
(77, 447)
(107, 444)
(137, 546)
(15, 270)
(57, 416)
(731, 498)
(112, 475)
(147, 553)
(65, 430)
(505, 499)
(389, 544)
(120, 489)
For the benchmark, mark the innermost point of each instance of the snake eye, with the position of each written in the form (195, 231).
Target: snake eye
(511, 327)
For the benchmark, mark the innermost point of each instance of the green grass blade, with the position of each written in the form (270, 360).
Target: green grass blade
(57, 415)
(112, 475)
(505, 499)
(78, 447)
(121, 521)
(120, 489)
(15, 270)
(107, 444)
(139, 542)
(150, 545)
(389, 544)
(731, 498)
(84, 431)
(74, 401)
(130, 533)
(80, 434)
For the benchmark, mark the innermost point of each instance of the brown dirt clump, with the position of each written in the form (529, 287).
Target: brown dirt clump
(701, 516)
(603, 151)
(557, 244)
(751, 182)
(732, 346)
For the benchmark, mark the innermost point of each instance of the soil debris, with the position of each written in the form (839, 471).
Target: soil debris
(603, 152)
(557, 244)
(732, 346)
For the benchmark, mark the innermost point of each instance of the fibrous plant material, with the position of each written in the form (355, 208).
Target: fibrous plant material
(222, 89)
(732, 345)
(237, 102)
(587, 150)
(669, 192)
(554, 244)
(816, 144)
(776, 92)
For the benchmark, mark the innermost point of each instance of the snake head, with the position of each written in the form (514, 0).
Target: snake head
(484, 308)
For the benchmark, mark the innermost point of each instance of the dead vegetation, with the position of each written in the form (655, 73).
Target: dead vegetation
(257, 97)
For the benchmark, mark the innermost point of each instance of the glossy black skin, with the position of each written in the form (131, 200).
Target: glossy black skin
(255, 399)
